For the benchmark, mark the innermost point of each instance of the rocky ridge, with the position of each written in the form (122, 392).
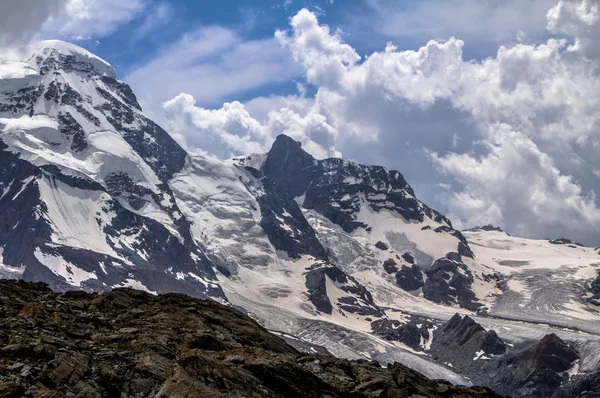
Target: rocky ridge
(129, 343)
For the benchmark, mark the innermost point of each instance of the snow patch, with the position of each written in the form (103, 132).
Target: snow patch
(59, 266)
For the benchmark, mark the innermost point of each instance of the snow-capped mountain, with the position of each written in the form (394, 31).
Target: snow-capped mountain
(94, 195)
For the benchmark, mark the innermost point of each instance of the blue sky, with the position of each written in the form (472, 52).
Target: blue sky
(366, 24)
(162, 24)
(488, 107)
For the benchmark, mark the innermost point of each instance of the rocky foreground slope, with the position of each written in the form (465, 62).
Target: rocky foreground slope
(130, 343)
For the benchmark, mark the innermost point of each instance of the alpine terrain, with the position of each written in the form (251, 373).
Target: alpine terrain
(334, 257)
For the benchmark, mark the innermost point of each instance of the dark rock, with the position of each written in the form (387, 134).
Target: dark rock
(595, 290)
(580, 386)
(332, 186)
(408, 333)
(361, 303)
(283, 221)
(537, 371)
(488, 227)
(409, 258)
(410, 278)
(465, 250)
(181, 347)
(381, 246)
(390, 266)
(463, 338)
(449, 281)
(11, 390)
(564, 241)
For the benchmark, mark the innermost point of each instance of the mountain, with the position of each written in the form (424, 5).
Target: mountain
(84, 179)
(332, 255)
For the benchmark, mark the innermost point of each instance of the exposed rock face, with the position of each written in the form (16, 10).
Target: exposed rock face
(539, 370)
(581, 386)
(595, 290)
(413, 333)
(488, 227)
(333, 187)
(449, 281)
(536, 371)
(467, 339)
(283, 221)
(410, 278)
(131, 344)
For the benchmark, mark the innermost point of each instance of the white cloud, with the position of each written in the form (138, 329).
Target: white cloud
(579, 19)
(210, 64)
(21, 20)
(159, 15)
(516, 185)
(326, 59)
(25, 21)
(231, 130)
(514, 135)
(94, 18)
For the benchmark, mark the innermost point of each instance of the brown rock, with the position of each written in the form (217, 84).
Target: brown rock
(10, 390)
(71, 368)
(29, 311)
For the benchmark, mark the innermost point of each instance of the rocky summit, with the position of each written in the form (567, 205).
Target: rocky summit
(128, 343)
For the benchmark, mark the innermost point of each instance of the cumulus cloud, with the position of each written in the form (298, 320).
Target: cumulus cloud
(579, 19)
(516, 185)
(231, 130)
(510, 139)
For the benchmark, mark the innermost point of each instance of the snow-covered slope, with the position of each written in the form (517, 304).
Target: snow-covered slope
(541, 281)
(85, 199)
(95, 195)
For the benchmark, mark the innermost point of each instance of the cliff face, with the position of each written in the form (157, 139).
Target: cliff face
(132, 344)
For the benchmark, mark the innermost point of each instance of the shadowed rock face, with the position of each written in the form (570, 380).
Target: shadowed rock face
(581, 386)
(131, 344)
(539, 370)
(467, 337)
(332, 186)
(449, 281)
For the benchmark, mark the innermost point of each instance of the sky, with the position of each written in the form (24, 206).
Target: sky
(490, 108)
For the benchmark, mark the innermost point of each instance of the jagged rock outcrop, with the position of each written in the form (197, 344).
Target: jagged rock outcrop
(580, 386)
(461, 339)
(413, 333)
(488, 227)
(131, 344)
(538, 371)
(334, 187)
(449, 281)
(410, 278)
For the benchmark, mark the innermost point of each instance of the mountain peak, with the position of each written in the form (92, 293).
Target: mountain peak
(286, 144)
(59, 52)
(287, 158)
